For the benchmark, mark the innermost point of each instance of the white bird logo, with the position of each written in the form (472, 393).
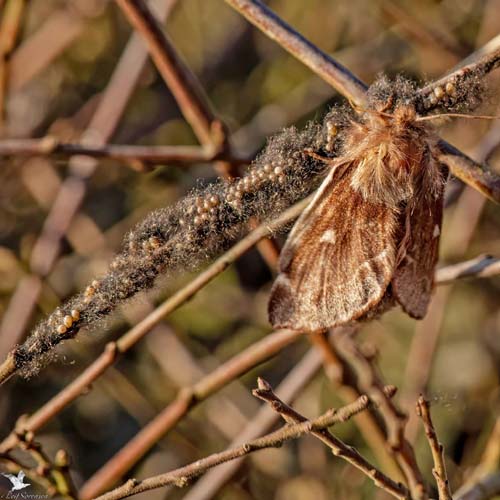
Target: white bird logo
(17, 481)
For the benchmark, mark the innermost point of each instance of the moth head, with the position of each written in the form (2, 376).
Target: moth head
(404, 115)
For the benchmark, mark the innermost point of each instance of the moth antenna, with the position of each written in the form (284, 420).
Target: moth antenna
(457, 115)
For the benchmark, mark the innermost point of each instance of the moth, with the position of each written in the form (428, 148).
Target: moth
(370, 237)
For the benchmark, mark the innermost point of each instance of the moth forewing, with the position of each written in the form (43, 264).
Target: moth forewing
(339, 260)
(295, 237)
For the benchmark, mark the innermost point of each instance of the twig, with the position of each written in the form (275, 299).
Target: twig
(69, 198)
(181, 82)
(471, 172)
(344, 379)
(466, 216)
(187, 397)
(484, 266)
(13, 465)
(56, 472)
(439, 470)
(479, 67)
(476, 175)
(9, 29)
(181, 477)
(190, 97)
(127, 153)
(421, 31)
(484, 489)
(490, 457)
(40, 49)
(322, 64)
(299, 376)
(370, 383)
(339, 448)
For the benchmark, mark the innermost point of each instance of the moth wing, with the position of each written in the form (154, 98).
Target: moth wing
(414, 278)
(338, 260)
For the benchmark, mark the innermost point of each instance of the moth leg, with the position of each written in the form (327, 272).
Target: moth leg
(316, 156)
(387, 105)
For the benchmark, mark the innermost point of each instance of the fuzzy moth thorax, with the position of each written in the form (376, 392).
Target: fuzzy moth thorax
(393, 155)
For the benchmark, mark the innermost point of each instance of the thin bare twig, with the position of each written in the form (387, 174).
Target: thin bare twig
(187, 397)
(420, 31)
(127, 153)
(339, 448)
(344, 379)
(290, 387)
(182, 83)
(190, 97)
(9, 29)
(484, 266)
(54, 474)
(69, 198)
(484, 489)
(369, 382)
(48, 42)
(339, 77)
(490, 457)
(437, 450)
(476, 175)
(181, 477)
(460, 231)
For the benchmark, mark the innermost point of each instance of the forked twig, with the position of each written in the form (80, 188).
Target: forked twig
(264, 419)
(369, 382)
(437, 450)
(184, 86)
(338, 447)
(296, 379)
(344, 379)
(72, 192)
(181, 477)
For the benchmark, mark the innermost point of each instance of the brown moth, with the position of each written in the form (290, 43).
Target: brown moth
(369, 239)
